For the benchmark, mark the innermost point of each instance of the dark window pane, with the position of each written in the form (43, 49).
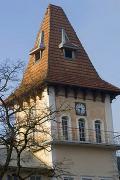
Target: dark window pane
(38, 178)
(68, 53)
(37, 56)
(65, 128)
(32, 178)
(82, 129)
(68, 178)
(98, 131)
(9, 177)
(15, 178)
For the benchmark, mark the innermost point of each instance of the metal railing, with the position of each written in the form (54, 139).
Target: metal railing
(81, 135)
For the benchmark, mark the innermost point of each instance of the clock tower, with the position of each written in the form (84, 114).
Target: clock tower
(60, 70)
(80, 109)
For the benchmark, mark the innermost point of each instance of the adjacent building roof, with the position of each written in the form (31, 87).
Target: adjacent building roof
(53, 67)
(28, 160)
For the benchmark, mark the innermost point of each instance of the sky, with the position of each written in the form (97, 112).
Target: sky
(96, 22)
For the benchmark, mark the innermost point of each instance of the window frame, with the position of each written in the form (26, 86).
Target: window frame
(72, 51)
(86, 129)
(40, 52)
(87, 178)
(98, 133)
(65, 128)
(11, 177)
(69, 127)
(102, 131)
(82, 134)
(105, 178)
(68, 177)
(35, 177)
(36, 56)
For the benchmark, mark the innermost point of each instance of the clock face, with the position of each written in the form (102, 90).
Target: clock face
(80, 109)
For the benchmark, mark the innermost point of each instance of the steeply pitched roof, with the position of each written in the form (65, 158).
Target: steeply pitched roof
(53, 67)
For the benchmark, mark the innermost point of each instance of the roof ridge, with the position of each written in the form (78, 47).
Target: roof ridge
(54, 6)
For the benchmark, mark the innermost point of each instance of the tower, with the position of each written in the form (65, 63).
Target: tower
(61, 70)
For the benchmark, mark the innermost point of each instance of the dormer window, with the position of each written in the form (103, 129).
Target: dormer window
(67, 46)
(38, 52)
(69, 53)
(38, 55)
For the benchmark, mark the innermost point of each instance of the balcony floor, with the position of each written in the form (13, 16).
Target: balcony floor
(87, 144)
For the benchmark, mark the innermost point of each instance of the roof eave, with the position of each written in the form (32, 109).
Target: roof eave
(36, 50)
(103, 90)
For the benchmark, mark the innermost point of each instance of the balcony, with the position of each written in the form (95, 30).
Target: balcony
(86, 137)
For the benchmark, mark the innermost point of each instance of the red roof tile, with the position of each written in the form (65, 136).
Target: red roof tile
(53, 67)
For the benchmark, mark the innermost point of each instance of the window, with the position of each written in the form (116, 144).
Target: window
(68, 178)
(87, 178)
(15, 178)
(67, 46)
(10, 177)
(37, 56)
(98, 131)
(105, 178)
(68, 53)
(65, 127)
(35, 177)
(81, 123)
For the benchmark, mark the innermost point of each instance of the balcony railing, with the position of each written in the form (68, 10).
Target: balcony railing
(86, 136)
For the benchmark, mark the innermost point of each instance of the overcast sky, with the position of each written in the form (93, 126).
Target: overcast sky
(97, 23)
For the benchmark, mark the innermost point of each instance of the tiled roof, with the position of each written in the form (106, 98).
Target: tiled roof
(53, 67)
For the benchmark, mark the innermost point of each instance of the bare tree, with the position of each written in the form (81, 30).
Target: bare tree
(7, 79)
(22, 125)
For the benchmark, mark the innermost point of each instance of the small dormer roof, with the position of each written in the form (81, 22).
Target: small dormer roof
(66, 43)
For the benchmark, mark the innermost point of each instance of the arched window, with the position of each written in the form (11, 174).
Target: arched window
(81, 123)
(65, 121)
(98, 131)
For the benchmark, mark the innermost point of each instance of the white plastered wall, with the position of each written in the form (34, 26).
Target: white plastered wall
(47, 100)
(108, 114)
